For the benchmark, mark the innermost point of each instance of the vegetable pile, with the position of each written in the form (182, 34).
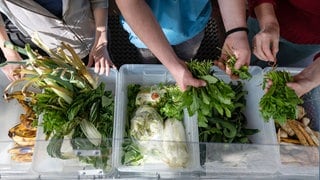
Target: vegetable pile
(297, 131)
(279, 102)
(152, 110)
(282, 104)
(219, 106)
(231, 129)
(24, 133)
(154, 127)
(70, 101)
(216, 94)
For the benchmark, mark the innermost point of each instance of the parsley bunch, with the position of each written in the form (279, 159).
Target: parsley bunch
(279, 102)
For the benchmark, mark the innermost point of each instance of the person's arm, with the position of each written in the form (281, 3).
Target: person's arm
(142, 21)
(307, 79)
(9, 54)
(99, 55)
(234, 16)
(266, 42)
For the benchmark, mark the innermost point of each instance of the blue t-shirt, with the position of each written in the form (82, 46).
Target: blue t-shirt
(53, 6)
(180, 20)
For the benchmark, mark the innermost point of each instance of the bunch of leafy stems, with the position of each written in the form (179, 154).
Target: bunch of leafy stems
(63, 81)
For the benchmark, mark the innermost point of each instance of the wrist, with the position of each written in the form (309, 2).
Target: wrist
(237, 30)
(273, 26)
(175, 65)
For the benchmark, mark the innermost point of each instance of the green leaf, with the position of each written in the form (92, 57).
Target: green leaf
(210, 79)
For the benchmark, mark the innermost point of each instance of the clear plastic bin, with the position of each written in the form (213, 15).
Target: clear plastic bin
(259, 157)
(10, 113)
(149, 75)
(48, 167)
(299, 160)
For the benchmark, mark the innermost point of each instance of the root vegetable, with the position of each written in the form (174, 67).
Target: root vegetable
(301, 112)
(312, 135)
(287, 128)
(305, 121)
(289, 140)
(283, 134)
(297, 132)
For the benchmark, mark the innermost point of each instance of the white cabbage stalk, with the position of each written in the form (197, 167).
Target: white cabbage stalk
(174, 144)
(147, 129)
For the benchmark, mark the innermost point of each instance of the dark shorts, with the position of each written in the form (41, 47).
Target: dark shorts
(185, 51)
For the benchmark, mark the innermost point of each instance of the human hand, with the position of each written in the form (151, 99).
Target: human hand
(304, 81)
(99, 55)
(307, 79)
(237, 45)
(300, 85)
(266, 43)
(9, 69)
(184, 77)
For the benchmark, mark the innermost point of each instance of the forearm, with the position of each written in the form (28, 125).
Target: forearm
(3, 38)
(99, 3)
(265, 15)
(313, 72)
(233, 13)
(142, 21)
(3, 34)
(101, 22)
(307, 79)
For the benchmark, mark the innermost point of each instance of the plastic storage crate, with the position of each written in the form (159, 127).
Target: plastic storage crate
(310, 165)
(256, 158)
(47, 166)
(234, 159)
(10, 113)
(149, 75)
(42, 165)
(262, 159)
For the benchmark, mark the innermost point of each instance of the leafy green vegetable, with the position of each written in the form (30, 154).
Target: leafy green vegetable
(133, 90)
(216, 95)
(131, 153)
(243, 72)
(153, 111)
(230, 61)
(146, 124)
(171, 103)
(279, 102)
(71, 101)
(175, 150)
(228, 129)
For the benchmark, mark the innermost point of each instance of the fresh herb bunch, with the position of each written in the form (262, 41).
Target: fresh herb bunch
(216, 94)
(242, 73)
(229, 129)
(279, 102)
